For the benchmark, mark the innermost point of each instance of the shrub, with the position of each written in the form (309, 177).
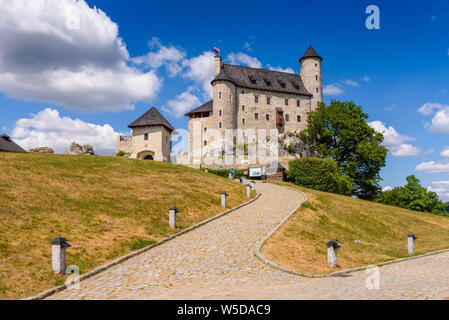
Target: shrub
(121, 153)
(225, 172)
(319, 174)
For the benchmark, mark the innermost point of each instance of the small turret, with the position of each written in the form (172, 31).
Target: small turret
(311, 75)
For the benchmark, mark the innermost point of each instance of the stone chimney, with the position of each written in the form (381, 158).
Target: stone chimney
(218, 64)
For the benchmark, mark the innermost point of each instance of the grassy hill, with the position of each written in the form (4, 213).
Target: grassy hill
(105, 207)
(300, 244)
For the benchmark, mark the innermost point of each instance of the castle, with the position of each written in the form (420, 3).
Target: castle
(244, 99)
(248, 98)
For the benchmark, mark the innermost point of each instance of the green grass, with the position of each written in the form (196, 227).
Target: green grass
(105, 206)
(300, 244)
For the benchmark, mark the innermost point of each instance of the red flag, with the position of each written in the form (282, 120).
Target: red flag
(217, 51)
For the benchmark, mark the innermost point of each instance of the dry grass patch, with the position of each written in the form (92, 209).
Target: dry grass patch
(105, 206)
(300, 244)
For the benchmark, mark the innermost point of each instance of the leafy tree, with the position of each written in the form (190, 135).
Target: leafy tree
(340, 131)
(319, 174)
(415, 197)
(447, 207)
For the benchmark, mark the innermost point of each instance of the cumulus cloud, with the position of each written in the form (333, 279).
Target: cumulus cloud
(387, 188)
(332, 90)
(201, 70)
(47, 128)
(441, 188)
(366, 79)
(394, 141)
(445, 153)
(65, 53)
(434, 166)
(440, 120)
(241, 58)
(183, 103)
(169, 57)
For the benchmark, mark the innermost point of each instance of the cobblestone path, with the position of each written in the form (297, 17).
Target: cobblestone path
(216, 261)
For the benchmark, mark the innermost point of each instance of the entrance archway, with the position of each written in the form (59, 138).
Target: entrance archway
(149, 157)
(145, 155)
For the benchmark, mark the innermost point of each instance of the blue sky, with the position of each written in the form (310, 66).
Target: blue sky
(140, 54)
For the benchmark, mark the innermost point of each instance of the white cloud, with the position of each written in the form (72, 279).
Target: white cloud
(429, 108)
(47, 128)
(434, 167)
(201, 69)
(65, 53)
(366, 79)
(405, 150)
(332, 90)
(169, 57)
(441, 188)
(351, 83)
(440, 121)
(387, 188)
(183, 103)
(278, 68)
(394, 141)
(244, 59)
(445, 153)
(430, 151)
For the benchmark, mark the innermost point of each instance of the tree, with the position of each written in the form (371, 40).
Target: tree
(447, 207)
(415, 197)
(340, 131)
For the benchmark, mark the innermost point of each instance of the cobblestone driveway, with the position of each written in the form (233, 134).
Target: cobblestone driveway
(217, 261)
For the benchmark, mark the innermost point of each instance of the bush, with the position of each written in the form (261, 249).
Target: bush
(121, 153)
(319, 174)
(225, 172)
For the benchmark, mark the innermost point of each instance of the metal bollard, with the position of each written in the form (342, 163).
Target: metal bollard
(172, 217)
(223, 199)
(411, 244)
(248, 191)
(58, 256)
(332, 247)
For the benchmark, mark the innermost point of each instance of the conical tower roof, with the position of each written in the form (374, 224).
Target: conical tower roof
(310, 53)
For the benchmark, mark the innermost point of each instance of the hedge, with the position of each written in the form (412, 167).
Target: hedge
(319, 174)
(225, 172)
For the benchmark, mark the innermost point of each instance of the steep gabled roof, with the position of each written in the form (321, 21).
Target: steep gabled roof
(6, 144)
(207, 107)
(262, 79)
(310, 53)
(152, 118)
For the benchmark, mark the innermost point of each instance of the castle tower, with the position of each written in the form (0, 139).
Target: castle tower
(311, 75)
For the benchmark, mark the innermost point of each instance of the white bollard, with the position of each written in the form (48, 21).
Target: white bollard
(223, 199)
(58, 256)
(332, 247)
(172, 217)
(253, 183)
(411, 244)
(248, 191)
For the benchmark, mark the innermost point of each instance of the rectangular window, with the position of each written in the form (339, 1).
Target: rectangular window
(256, 99)
(205, 129)
(243, 108)
(256, 116)
(243, 120)
(219, 95)
(205, 142)
(298, 104)
(316, 77)
(145, 136)
(267, 117)
(286, 102)
(268, 100)
(298, 118)
(316, 90)
(287, 118)
(219, 125)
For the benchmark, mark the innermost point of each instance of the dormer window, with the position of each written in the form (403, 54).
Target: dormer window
(267, 82)
(296, 85)
(252, 79)
(282, 83)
